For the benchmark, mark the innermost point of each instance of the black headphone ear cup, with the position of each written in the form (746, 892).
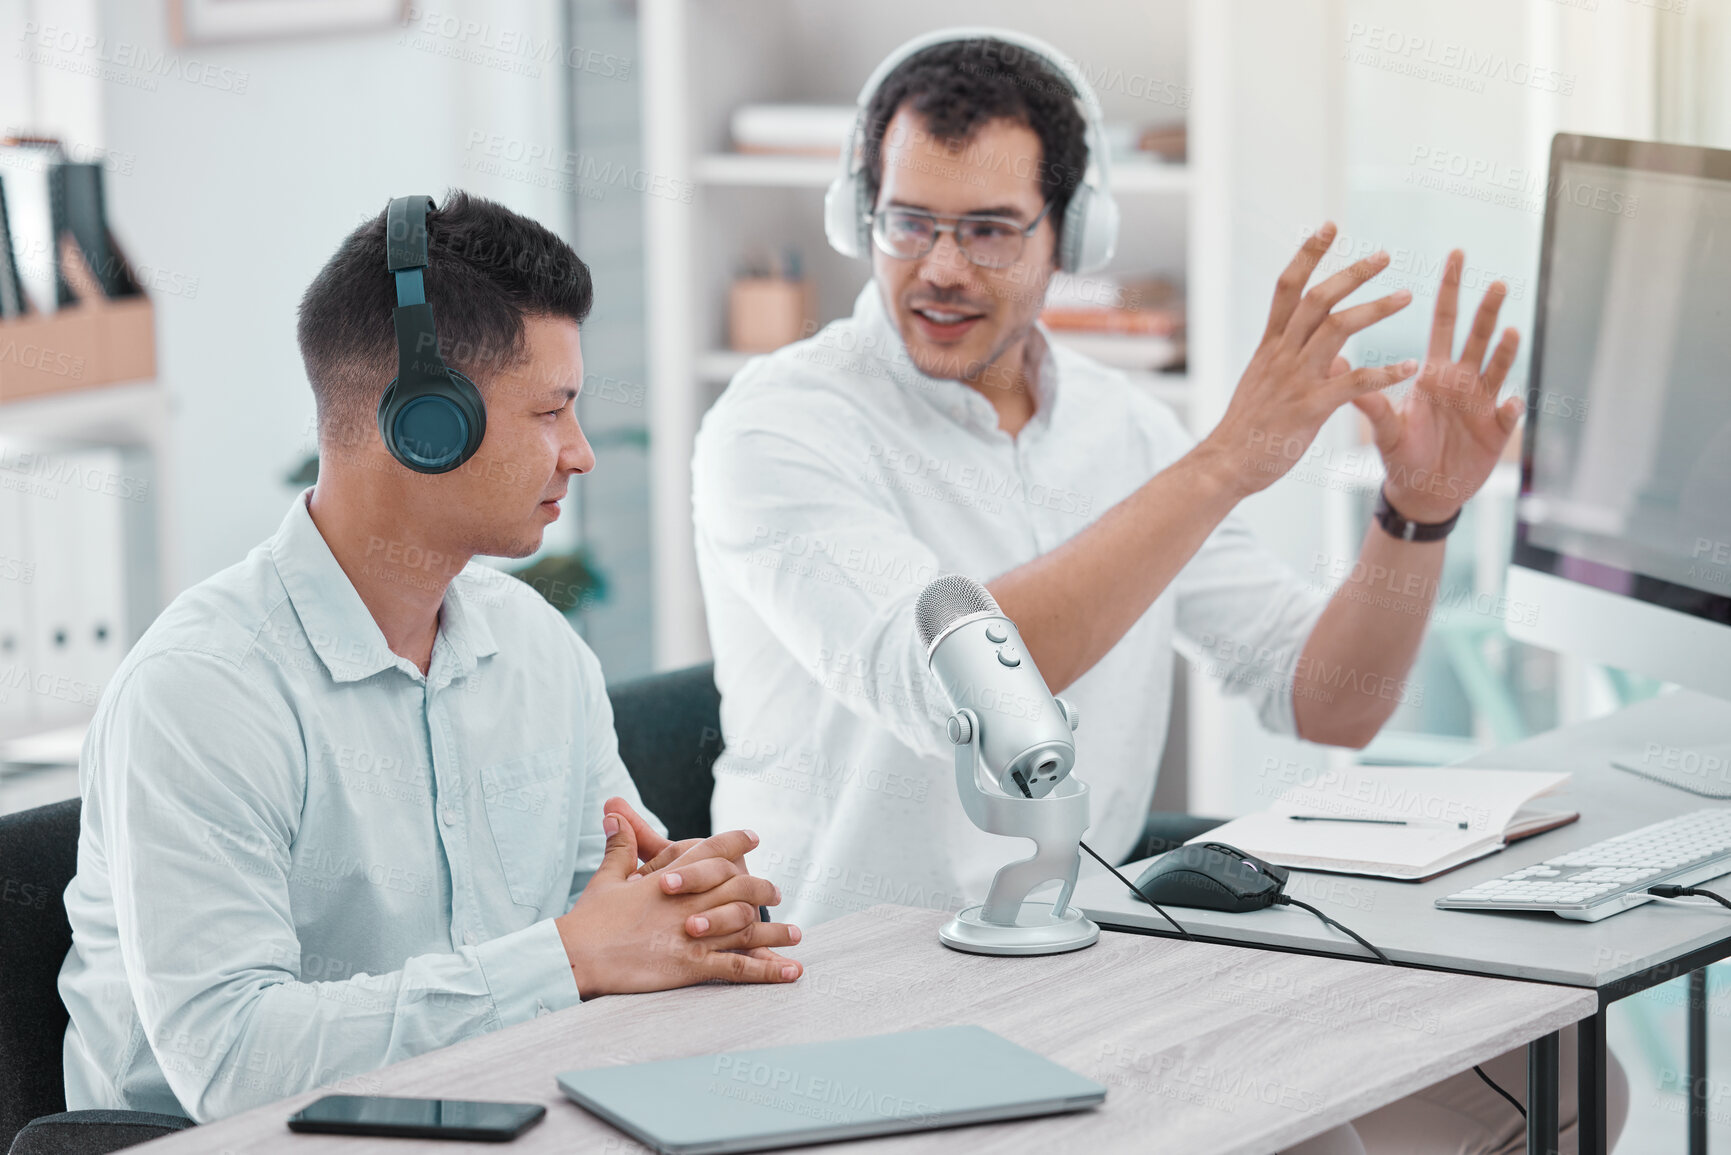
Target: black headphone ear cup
(436, 427)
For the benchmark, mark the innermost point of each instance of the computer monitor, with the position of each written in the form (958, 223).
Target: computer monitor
(1623, 527)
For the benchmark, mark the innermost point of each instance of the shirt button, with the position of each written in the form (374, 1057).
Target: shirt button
(448, 815)
(470, 938)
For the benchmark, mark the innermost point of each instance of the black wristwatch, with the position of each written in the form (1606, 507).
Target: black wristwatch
(1406, 530)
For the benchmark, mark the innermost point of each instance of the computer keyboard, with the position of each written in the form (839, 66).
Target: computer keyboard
(1609, 877)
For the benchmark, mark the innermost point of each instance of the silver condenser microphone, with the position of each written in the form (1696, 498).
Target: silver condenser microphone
(977, 656)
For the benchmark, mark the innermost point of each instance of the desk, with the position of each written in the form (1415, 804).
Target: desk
(1211, 1048)
(1620, 956)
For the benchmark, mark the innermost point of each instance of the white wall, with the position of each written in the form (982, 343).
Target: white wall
(240, 189)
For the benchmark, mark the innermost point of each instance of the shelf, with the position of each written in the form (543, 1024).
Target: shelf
(750, 170)
(1150, 177)
(760, 171)
(131, 414)
(718, 366)
(1121, 351)
(44, 744)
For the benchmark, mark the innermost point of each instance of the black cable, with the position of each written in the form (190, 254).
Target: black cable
(1492, 1084)
(1346, 930)
(1366, 944)
(1666, 890)
(1182, 933)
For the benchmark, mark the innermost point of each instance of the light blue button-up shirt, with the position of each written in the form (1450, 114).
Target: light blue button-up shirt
(300, 859)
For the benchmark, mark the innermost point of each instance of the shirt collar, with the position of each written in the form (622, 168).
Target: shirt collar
(338, 625)
(461, 621)
(960, 402)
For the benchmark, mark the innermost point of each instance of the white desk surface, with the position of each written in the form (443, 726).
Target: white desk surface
(1399, 916)
(1210, 1048)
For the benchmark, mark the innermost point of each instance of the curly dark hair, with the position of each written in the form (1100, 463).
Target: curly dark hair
(957, 86)
(487, 269)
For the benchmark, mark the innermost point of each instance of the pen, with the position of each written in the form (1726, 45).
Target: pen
(1377, 821)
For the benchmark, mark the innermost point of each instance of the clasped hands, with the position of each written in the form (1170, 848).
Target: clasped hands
(659, 914)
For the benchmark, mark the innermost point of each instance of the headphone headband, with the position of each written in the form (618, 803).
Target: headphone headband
(1090, 230)
(406, 233)
(431, 417)
(1080, 90)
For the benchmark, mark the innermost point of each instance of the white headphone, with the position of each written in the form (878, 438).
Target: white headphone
(1090, 232)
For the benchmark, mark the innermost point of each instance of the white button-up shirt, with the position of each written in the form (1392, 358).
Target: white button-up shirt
(831, 482)
(302, 859)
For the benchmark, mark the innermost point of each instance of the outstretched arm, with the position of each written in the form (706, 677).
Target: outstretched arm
(1437, 446)
(1072, 605)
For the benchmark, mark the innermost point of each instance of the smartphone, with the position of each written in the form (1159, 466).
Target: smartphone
(417, 1118)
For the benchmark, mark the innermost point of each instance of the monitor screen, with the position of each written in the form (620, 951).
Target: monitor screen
(1626, 475)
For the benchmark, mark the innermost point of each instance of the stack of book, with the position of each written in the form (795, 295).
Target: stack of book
(72, 312)
(1132, 324)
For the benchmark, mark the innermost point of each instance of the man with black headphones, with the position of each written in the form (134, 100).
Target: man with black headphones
(938, 430)
(357, 796)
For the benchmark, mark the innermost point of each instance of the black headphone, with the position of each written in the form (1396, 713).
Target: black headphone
(431, 417)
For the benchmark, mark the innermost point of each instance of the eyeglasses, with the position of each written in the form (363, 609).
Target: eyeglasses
(988, 241)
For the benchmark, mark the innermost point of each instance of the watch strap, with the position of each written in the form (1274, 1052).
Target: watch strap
(1406, 529)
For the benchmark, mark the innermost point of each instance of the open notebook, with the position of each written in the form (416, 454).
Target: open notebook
(1453, 816)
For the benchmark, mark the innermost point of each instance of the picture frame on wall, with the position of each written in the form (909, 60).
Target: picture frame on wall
(220, 21)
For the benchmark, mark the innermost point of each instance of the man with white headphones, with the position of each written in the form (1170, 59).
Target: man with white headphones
(939, 430)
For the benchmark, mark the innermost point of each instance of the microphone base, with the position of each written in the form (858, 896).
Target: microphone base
(1036, 932)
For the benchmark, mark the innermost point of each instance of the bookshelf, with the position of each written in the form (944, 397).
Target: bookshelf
(701, 60)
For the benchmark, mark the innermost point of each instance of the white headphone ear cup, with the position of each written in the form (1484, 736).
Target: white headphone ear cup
(1090, 230)
(841, 215)
(1076, 215)
(862, 216)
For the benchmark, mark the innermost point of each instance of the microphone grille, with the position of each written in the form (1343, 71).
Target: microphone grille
(951, 597)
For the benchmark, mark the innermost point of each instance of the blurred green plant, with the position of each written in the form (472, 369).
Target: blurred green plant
(306, 473)
(569, 581)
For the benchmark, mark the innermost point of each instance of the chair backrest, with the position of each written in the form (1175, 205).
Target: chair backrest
(669, 728)
(38, 856)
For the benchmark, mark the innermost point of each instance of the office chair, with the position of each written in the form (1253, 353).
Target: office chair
(38, 855)
(669, 728)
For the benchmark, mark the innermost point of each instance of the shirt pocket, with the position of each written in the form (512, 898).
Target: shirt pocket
(528, 804)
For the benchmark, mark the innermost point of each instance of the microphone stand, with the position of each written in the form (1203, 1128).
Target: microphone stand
(1006, 923)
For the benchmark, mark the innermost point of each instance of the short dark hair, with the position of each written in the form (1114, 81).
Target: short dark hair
(958, 85)
(487, 269)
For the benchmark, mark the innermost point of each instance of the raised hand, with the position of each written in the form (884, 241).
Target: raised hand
(1444, 439)
(1297, 377)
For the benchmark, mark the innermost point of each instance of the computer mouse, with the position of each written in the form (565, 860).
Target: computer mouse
(1211, 876)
